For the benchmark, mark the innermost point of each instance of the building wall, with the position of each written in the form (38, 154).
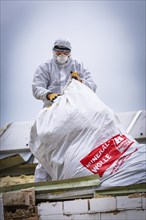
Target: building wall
(106, 208)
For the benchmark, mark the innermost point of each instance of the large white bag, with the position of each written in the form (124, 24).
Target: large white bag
(79, 135)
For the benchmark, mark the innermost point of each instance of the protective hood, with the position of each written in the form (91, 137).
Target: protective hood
(62, 43)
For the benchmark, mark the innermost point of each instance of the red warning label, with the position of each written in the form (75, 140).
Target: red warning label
(103, 156)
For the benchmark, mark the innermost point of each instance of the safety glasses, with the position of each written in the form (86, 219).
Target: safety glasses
(65, 52)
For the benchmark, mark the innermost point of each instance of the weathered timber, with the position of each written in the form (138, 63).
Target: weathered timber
(66, 184)
(83, 187)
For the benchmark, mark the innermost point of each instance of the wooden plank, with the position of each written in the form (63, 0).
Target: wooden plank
(82, 187)
(90, 192)
(66, 184)
(122, 190)
(11, 161)
(22, 169)
(66, 195)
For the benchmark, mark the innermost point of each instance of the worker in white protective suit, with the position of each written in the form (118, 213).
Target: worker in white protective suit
(50, 79)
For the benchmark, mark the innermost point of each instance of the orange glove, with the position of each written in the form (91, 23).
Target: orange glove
(52, 96)
(75, 75)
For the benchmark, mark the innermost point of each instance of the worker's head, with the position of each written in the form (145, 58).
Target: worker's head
(62, 50)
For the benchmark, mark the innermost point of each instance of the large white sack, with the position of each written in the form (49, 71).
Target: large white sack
(79, 135)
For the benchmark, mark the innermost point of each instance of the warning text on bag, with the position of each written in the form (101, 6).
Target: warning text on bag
(103, 156)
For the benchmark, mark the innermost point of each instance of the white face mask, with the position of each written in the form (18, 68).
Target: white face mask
(62, 59)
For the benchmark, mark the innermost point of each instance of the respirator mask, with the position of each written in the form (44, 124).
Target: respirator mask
(62, 58)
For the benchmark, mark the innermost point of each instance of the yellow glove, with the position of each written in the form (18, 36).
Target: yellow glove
(75, 75)
(52, 96)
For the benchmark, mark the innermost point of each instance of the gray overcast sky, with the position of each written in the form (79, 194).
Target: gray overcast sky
(107, 36)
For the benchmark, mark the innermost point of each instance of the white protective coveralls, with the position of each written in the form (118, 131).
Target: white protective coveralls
(51, 77)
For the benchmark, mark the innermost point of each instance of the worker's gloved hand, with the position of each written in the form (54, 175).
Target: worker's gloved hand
(75, 75)
(52, 96)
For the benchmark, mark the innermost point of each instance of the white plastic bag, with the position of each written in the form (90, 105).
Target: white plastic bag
(79, 135)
